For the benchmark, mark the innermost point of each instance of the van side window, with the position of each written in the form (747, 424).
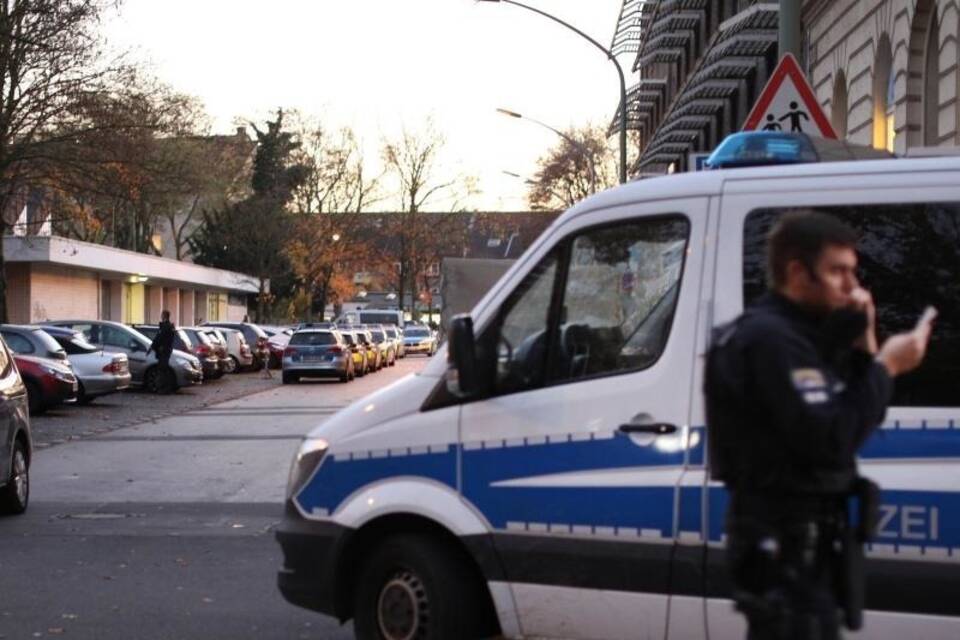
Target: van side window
(909, 256)
(521, 348)
(619, 297)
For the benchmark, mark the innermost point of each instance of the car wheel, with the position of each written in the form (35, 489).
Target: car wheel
(151, 380)
(287, 378)
(16, 494)
(231, 365)
(34, 399)
(82, 397)
(413, 587)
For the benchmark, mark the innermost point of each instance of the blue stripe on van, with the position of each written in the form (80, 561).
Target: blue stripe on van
(338, 477)
(923, 442)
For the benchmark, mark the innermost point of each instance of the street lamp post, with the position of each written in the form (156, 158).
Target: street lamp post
(579, 145)
(613, 59)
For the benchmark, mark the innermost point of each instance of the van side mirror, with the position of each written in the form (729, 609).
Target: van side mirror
(461, 358)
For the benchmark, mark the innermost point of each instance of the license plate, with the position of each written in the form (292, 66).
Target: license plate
(313, 358)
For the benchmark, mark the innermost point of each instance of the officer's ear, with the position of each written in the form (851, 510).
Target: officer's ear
(798, 273)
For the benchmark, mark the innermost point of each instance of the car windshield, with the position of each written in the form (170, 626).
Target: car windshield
(348, 338)
(391, 332)
(416, 332)
(378, 336)
(313, 338)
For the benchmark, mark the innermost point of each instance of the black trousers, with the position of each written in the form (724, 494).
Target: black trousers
(786, 572)
(166, 381)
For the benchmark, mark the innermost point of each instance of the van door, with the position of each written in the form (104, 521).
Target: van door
(575, 455)
(909, 228)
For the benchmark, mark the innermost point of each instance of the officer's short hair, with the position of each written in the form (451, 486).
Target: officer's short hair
(802, 234)
(165, 314)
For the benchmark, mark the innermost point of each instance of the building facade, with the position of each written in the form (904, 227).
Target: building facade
(53, 278)
(884, 71)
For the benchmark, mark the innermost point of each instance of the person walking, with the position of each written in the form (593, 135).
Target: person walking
(162, 345)
(793, 388)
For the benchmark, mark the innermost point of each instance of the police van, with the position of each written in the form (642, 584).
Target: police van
(549, 477)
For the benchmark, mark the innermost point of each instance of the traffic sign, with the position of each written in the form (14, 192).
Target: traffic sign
(787, 103)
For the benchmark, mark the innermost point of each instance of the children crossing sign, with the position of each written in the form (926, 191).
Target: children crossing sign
(787, 104)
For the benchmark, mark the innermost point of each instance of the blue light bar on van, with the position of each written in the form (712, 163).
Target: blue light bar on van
(761, 148)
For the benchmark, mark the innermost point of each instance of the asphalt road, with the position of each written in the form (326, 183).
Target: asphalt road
(164, 530)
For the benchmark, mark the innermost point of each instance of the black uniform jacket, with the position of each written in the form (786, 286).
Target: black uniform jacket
(163, 342)
(787, 406)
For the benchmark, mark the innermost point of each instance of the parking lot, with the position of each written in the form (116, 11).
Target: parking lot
(127, 408)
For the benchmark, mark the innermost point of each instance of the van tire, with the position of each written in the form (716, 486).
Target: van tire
(15, 494)
(421, 587)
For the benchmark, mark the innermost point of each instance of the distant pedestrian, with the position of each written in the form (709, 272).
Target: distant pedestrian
(246, 318)
(162, 345)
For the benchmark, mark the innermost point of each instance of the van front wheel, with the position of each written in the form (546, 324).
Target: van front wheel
(413, 586)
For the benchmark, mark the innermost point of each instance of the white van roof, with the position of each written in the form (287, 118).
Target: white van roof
(709, 183)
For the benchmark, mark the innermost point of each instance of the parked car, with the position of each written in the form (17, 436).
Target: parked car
(32, 341)
(49, 382)
(188, 342)
(239, 352)
(16, 445)
(206, 352)
(219, 343)
(419, 339)
(374, 357)
(395, 335)
(317, 353)
(388, 352)
(98, 372)
(255, 337)
(277, 343)
(357, 350)
(114, 336)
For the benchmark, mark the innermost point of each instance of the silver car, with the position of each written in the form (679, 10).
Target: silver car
(314, 353)
(239, 352)
(113, 336)
(419, 339)
(16, 447)
(99, 372)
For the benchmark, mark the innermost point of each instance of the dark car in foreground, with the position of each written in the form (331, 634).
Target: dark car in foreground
(16, 446)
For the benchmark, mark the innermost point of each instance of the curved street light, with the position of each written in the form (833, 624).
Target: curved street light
(584, 151)
(613, 59)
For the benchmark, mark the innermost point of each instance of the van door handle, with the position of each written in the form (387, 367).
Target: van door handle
(656, 428)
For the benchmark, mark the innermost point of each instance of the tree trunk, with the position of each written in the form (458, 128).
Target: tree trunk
(3, 277)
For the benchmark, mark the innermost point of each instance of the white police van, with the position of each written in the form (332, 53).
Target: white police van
(562, 491)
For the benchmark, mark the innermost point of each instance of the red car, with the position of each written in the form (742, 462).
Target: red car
(49, 382)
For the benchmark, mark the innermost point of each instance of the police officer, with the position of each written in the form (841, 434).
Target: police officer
(794, 387)
(162, 345)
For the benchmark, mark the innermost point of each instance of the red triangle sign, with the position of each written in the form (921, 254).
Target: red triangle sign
(787, 104)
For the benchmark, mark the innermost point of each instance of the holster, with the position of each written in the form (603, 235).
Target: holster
(861, 526)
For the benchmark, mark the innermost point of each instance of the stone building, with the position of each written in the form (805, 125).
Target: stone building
(885, 71)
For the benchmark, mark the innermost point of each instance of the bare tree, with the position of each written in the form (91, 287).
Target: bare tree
(581, 164)
(51, 63)
(414, 161)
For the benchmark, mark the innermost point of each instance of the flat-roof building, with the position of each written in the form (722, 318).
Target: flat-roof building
(50, 278)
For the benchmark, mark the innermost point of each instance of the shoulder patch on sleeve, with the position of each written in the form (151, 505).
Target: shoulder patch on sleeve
(808, 379)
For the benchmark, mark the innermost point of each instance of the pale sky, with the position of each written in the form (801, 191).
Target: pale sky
(376, 65)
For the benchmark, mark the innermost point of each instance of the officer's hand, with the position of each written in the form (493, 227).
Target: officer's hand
(904, 352)
(862, 300)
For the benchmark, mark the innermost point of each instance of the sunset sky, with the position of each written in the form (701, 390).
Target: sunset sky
(377, 65)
